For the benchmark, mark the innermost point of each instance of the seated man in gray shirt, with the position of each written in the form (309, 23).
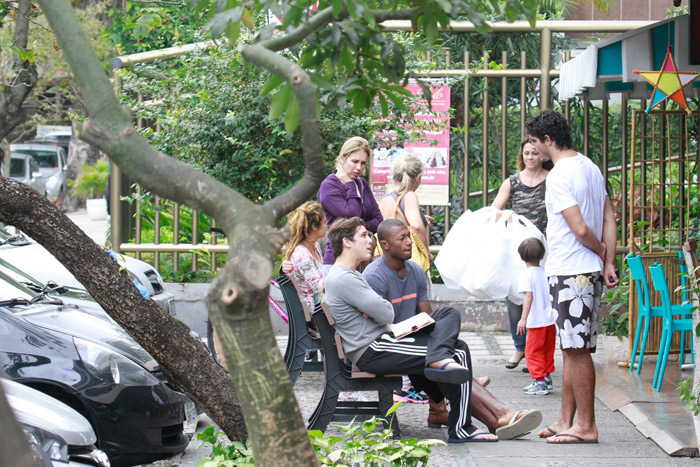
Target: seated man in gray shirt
(362, 320)
(402, 283)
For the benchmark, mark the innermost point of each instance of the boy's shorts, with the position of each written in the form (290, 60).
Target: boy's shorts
(576, 299)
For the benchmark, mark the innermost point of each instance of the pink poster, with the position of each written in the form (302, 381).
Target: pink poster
(431, 146)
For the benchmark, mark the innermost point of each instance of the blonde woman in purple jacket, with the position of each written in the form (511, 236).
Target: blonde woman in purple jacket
(345, 194)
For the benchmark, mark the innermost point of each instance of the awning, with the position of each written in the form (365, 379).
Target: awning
(607, 66)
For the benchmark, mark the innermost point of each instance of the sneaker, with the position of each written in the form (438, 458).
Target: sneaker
(548, 382)
(410, 395)
(536, 388)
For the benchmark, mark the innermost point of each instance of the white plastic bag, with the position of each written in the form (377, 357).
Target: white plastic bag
(456, 249)
(480, 253)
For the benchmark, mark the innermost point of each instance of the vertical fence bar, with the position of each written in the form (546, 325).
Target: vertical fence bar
(605, 139)
(630, 199)
(485, 138)
(623, 162)
(567, 103)
(504, 119)
(139, 219)
(212, 236)
(156, 226)
(176, 235)
(523, 95)
(446, 225)
(115, 203)
(545, 68)
(662, 169)
(586, 127)
(643, 164)
(195, 237)
(467, 114)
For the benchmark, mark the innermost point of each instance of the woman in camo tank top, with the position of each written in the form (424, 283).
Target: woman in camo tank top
(524, 191)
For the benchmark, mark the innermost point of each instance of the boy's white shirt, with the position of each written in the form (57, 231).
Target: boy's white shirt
(532, 279)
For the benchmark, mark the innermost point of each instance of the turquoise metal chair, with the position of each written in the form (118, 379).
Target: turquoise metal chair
(645, 311)
(670, 325)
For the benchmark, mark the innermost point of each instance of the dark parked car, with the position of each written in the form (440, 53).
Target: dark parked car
(90, 364)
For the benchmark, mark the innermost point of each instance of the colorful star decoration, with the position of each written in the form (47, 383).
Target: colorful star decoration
(668, 83)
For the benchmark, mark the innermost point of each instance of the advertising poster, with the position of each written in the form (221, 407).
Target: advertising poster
(431, 145)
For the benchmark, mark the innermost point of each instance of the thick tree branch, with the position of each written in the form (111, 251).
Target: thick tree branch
(324, 17)
(110, 129)
(305, 92)
(209, 387)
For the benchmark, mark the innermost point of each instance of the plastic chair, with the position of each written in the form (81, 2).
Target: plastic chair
(670, 324)
(644, 310)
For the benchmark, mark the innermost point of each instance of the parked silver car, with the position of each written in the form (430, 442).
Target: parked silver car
(58, 435)
(24, 168)
(51, 159)
(33, 259)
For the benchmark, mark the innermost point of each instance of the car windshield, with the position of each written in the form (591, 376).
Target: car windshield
(45, 159)
(9, 290)
(17, 168)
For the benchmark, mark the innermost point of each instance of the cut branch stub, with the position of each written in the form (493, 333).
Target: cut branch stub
(255, 269)
(229, 294)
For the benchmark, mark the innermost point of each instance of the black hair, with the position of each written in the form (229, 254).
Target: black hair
(531, 250)
(385, 226)
(553, 124)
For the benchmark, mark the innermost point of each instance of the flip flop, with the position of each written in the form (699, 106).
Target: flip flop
(448, 375)
(575, 440)
(472, 438)
(519, 427)
(553, 433)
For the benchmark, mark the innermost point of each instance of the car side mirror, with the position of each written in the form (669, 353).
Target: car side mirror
(37, 175)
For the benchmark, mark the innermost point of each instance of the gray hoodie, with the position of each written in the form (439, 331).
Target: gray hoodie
(348, 293)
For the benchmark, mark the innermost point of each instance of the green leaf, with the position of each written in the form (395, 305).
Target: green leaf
(279, 101)
(320, 81)
(291, 119)
(393, 408)
(233, 30)
(271, 84)
(219, 22)
(337, 6)
(384, 104)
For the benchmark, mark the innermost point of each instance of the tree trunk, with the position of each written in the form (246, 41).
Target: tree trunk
(14, 450)
(24, 73)
(239, 296)
(184, 360)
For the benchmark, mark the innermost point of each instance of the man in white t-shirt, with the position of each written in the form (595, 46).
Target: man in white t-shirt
(581, 236)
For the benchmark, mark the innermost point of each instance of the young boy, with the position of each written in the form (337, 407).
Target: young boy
(538, 317)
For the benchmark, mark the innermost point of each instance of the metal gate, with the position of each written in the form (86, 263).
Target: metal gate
(663, 201)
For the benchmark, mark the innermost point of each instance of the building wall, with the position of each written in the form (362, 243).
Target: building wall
(640, 10)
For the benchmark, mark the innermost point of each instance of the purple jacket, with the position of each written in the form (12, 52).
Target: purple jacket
(340, 200)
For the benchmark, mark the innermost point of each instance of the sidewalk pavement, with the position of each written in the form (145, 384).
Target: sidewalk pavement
(620, 443)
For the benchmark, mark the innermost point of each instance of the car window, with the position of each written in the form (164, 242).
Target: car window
(45, 159)
(33, 166)
(17, 168)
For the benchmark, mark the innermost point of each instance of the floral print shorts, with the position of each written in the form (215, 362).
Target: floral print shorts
(576, 300)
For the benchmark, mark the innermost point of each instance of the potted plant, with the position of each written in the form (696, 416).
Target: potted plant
(615, 325)
(92, 184)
